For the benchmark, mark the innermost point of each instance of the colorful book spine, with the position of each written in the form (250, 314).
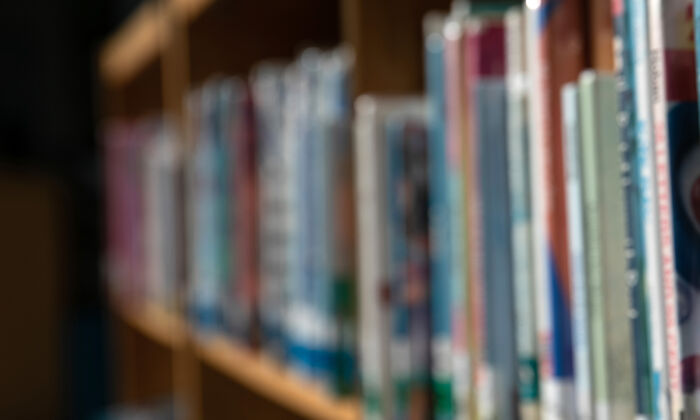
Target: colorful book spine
(461, 358)
(336, 117)
(204, 193)
(575, 212)
(557, 58)
(417, 268)
(623, 24)
(440, 266)
(373, 270)
(486, 38)
(399, 346)
(672, 66)
(517, 77)
(645, 156)
(611, 344)
(268, 91)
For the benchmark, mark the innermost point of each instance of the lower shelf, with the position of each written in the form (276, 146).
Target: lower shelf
(256, 372)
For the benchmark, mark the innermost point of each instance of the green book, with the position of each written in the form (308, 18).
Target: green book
(604, 213)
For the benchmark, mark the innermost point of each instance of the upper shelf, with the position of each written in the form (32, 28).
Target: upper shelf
(222, 36)
(143, 37)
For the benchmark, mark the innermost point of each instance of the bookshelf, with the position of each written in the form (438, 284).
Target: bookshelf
(146, 66)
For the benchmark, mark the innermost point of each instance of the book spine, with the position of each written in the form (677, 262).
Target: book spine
(372, 250)
(396, 218)
(625, 71)
(417, 277)
(440, 241)
(557, 59)
(454, 41)
(273, 235)
(521, 212)
(647, 199)
(499, 348)
(658, 11)
(594, 265)
(575, 212)
(603, 192)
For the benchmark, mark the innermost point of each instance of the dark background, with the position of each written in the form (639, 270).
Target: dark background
(53, 335)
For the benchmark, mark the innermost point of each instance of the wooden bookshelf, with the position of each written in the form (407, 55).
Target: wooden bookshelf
(147, 66)
(261, 375)
(274, 382)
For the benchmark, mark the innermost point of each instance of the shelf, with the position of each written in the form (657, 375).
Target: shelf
(155, 323)
(143, 38)
(272, 381)
(258, 373)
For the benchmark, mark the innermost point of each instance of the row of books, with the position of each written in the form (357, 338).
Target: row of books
(243, 215)
(562, 225)
(525, 236)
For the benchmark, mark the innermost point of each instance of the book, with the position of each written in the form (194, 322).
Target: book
(645, 156)
(486, 67)
(440, 266)
(606, 262)
(557, 57)
(517, 79)
(373, 267)
(462, 351)
(575, 211)
(673, 98)
(624, 42)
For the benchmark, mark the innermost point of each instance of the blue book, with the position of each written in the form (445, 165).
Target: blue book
(440, 266)
(627, 120)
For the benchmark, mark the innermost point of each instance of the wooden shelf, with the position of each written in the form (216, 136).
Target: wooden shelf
(258, 373)
(274, 382)
(154, 323)
(143, 38)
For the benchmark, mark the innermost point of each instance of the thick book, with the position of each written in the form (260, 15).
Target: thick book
(611, 344)
(440, 254)
(517, 79)
(557, 57)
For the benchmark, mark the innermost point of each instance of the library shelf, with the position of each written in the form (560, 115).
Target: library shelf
(154, 322)
(143, 37)
(256, 372)
(272, 381)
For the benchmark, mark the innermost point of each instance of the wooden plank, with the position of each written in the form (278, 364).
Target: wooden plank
(154, 322)
(134, 46)
(270, 380)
